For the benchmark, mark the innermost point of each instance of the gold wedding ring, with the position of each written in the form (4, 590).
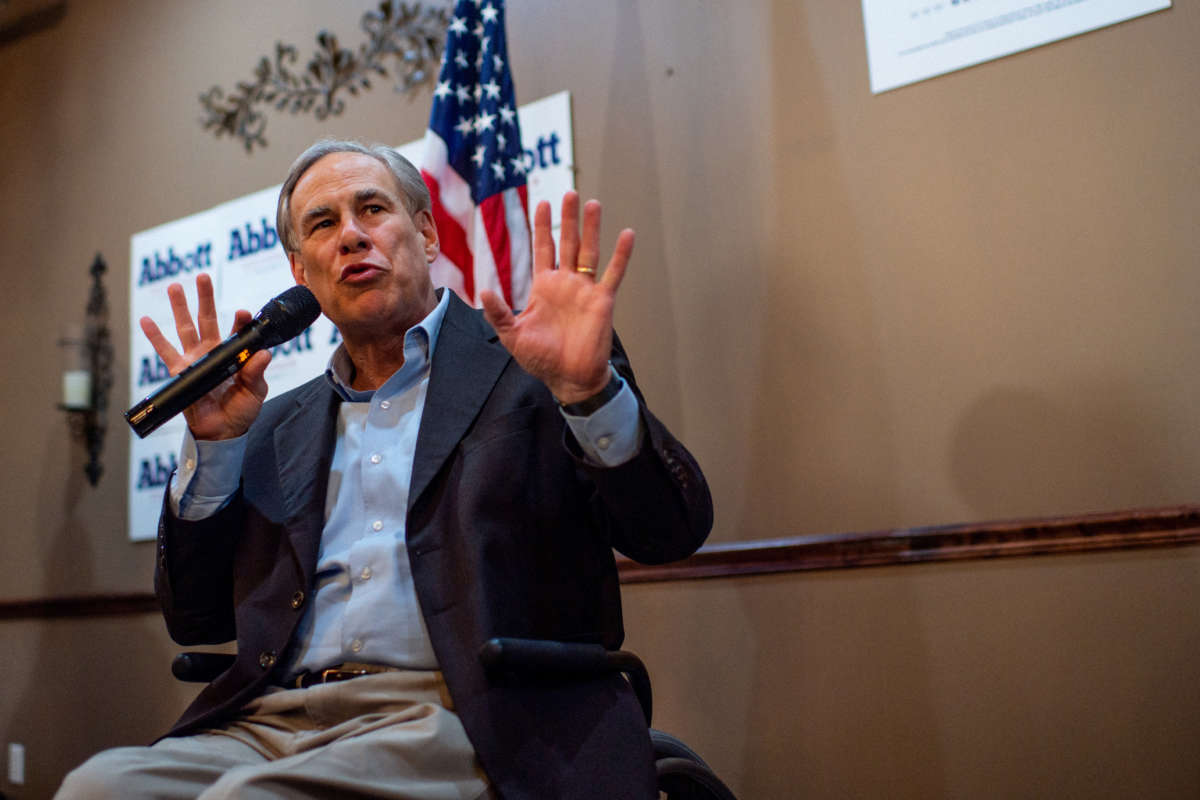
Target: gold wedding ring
(586, 269)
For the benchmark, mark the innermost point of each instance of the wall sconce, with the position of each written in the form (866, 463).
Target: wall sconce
(87, 356)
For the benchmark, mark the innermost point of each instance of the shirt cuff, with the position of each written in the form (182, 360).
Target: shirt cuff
(612, 434)
(208, 475)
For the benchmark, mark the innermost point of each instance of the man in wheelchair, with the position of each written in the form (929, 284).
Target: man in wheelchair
(454, 476)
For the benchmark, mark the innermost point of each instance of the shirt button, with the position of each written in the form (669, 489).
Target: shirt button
(356, 646)
(376, 458)
(365, 574)
(385, 404)
(266, 660)
(377, 525)
(189, 464)
(603, 442)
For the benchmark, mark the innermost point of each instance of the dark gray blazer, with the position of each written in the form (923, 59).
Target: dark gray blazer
(509, 533)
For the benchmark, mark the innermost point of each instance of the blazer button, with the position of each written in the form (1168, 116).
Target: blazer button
(266, 659)
(297, 599)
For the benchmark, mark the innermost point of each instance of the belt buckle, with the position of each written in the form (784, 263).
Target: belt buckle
(334, 674)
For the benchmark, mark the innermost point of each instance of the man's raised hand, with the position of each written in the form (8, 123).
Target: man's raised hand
(228, 410)
(563, 337)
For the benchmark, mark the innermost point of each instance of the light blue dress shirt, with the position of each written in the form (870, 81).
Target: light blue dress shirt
(364, 605)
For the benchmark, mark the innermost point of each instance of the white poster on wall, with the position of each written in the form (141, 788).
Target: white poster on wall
(237, 245)
(911, 40)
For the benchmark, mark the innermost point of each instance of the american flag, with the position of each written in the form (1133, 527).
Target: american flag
(474, 163)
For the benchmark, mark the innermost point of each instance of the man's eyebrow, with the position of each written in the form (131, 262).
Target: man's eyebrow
(372, 193)
(312, 214)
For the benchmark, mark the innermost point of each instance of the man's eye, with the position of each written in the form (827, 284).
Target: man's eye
(374, 209)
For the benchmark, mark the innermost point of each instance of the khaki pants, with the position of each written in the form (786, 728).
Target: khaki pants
(392, 734)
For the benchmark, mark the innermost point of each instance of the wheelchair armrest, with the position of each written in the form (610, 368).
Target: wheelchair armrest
(568, 658)
(201, 667)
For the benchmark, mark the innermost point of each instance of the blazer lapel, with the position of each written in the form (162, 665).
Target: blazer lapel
(467, 363)
(304, 442)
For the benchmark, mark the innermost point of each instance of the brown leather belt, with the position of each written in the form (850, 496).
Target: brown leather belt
(338, 672)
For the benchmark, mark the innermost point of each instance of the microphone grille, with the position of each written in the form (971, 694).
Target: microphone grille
(288, 314)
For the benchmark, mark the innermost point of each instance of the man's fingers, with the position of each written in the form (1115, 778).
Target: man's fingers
(496, 311)
(169, 355)
(543, 241)
(241, 318)
(568, 234)
(615, 271)
(251, 375)
(184, 327)
(589, 245)
(206, 310)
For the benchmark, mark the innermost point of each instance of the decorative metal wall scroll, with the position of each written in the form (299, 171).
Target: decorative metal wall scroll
(87, 413)
(409, 36)
(21, 19)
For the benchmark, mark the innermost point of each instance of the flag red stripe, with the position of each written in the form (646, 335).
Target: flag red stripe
(452, 238)
(495, 222)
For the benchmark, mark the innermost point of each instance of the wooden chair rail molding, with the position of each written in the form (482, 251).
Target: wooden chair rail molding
(1121, 530)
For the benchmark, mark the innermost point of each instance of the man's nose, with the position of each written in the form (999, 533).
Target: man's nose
(352, 237)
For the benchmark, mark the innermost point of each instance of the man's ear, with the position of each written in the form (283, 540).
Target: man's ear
(297, 269)
(424, 222)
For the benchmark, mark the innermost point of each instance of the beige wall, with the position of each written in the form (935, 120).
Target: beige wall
(1060, 677)
(1063, 677)
(969, 298)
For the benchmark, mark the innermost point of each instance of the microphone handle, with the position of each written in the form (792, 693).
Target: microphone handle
(200, 378)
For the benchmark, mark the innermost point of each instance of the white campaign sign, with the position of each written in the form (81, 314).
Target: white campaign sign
(236, 244)
(911, 40)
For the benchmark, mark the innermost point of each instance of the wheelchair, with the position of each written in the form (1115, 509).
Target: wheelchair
(682, 773)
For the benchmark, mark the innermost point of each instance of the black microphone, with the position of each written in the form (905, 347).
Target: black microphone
(284, 317)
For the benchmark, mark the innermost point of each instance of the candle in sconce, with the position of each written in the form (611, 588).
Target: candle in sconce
(76, 372)
(77, 388)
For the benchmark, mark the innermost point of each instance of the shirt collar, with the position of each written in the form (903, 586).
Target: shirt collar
(419, 343)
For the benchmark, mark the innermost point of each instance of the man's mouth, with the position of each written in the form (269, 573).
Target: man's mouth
(359, 273)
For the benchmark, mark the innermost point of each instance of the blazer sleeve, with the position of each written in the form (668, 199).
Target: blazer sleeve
(658, 505)
(193, 574)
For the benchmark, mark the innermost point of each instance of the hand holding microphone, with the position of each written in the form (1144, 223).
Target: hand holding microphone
(215, 407)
